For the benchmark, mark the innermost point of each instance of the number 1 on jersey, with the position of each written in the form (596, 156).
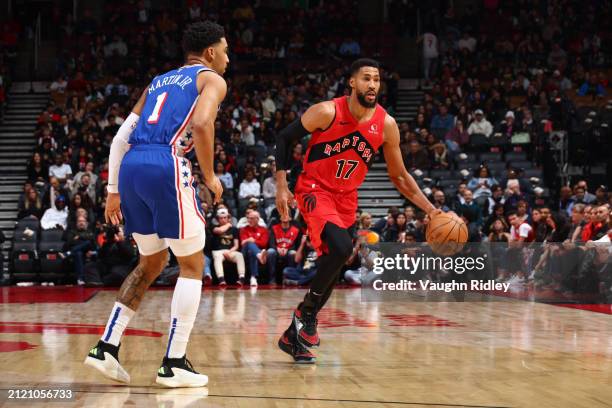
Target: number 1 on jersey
(159, 104)
(352, 166)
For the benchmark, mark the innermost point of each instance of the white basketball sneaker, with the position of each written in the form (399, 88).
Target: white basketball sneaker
(178, 372)
(104, 357)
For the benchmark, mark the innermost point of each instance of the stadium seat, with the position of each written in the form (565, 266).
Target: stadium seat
(479, 141)
(498, 140)
(28, 222)
(490, 157)
(21, 236)
(528, 173)
(448, 182)
(521, 164)
(496, 166)
(515, 156)
(24, 261)
(51, 263)
(440, 173)
(52, 235)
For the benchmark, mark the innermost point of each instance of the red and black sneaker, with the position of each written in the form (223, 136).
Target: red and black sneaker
(306, 327)
(289, 344)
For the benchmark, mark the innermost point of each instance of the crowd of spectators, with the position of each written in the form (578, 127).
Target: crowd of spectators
(101, 75)
(500, 78)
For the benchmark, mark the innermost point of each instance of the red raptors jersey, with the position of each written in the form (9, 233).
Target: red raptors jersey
(339, 158)
(285, 239)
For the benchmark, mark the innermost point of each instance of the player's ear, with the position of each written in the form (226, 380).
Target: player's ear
(352, 82)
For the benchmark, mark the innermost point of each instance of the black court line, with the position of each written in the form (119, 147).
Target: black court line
(407, 403)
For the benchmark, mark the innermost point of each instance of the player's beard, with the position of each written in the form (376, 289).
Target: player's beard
(361, 97)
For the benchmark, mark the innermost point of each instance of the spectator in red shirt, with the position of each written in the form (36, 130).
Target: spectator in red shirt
(254, 241)
(598, 227)
(284, 240)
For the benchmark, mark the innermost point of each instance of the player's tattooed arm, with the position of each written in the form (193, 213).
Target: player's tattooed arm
(398, 174)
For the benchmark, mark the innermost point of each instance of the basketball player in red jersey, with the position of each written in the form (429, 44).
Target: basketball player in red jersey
(346, 134)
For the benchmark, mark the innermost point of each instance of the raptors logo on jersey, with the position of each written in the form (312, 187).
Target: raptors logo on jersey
(339, 157)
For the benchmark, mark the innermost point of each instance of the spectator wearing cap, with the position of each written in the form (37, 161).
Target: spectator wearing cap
(284, 241)
(508, 127)
(254, 241)
(480, 125)
(56, 217)
(225, 247)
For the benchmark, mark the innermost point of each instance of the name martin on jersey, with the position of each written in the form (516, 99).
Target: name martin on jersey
(178, 80)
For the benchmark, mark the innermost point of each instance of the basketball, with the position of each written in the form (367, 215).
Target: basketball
(372, 238)
(446, 234)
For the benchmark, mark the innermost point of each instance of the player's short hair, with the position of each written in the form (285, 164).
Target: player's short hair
(200, 35)
(363, 62)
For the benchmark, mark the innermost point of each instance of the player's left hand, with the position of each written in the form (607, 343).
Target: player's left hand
(112, 211)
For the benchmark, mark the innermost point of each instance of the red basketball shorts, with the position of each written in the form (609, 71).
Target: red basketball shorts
(319, 206)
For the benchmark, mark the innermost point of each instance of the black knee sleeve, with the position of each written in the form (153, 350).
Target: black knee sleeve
(339, 241)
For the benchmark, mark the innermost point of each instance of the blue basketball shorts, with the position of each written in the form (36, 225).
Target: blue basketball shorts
(158, 194)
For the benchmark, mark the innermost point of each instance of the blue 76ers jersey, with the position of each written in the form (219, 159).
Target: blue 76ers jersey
(166, 115)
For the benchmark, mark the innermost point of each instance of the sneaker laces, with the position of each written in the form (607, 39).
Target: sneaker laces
(310, 322)
(190, 366)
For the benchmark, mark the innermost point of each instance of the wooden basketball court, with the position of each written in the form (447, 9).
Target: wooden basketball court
(396, 354)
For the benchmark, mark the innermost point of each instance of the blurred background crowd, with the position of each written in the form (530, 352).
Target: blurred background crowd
(497, 79)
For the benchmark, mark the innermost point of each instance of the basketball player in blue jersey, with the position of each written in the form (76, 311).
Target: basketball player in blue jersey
(151, 187)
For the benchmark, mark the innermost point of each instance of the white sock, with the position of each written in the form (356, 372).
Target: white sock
(185, 304)
(117, 322)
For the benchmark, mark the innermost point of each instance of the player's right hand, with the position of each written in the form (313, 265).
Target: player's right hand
(284, 199)
(215, 186)
(112, 210)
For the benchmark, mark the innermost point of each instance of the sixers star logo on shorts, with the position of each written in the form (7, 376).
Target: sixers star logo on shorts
(310, 202)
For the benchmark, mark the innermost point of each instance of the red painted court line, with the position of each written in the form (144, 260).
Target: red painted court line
(46, 294)
(67, 328)
(604, 308)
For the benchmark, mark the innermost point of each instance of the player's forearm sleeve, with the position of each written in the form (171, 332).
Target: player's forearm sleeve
(285, 139)
(118, 149)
